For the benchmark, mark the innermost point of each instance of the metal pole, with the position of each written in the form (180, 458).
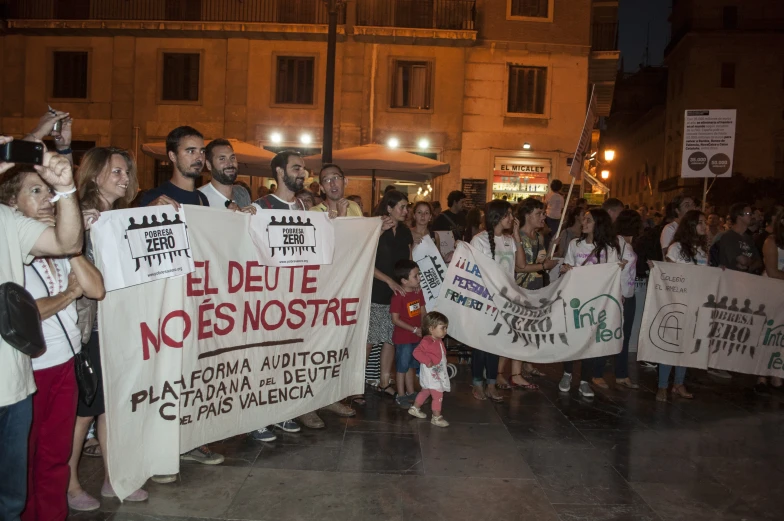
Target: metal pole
(704, 195)
(329, 90)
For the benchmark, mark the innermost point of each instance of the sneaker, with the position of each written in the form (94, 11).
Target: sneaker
(164, 478)
(719, 373)
(264, 434)
(648, 365)
(344, 411)
(403, 401)
(311, 420)
(288, 426)
(108, 491)
(202, 455)
(585, 390)
(414, 411)
(83, 502)
(439, 421)
(566, 383)
(761, 389)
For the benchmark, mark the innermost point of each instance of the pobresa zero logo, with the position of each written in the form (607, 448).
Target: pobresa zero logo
(291, 237)
(157, 240)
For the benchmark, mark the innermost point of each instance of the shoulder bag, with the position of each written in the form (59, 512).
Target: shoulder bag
(20, 321)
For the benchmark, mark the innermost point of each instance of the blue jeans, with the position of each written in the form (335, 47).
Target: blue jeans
(664, 375)
(484, 366)
(404, 357)
(15, 421)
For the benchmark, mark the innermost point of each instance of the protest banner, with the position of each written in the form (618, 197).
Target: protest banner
(446, 242)
(141, 245)
(232, 347)
(578, 316)
(431, 268)
(293, 238)
(701, 317)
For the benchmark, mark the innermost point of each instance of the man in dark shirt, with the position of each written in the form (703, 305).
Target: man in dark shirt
(454, 219)
(736, 248)
(185, 149)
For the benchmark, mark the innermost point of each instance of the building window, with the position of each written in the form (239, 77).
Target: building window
(69, 78)
(529, 8)
(527, 90)
(730, 16)
(411, 85)
(295, 80)
(180, 76)
(727, 75)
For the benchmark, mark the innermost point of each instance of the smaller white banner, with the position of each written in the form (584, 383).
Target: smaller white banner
(293, 238)
(140, 245)
(446, 242)
(708, 143)
(432, 269)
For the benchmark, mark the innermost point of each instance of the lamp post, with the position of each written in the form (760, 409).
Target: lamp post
(333, 8)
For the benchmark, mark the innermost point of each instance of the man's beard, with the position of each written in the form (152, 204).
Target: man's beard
(223, 178)
(189, 171)
(294, 184)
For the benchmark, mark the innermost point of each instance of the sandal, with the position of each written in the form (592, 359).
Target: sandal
(93, 450)
(478, 392)
(600, 383)
(661, 395)
(358, 399)
(681, 391)
(627, 382)
(495, 397)
(502, 386)
(389, 390)
(533, 372)
(526, 387)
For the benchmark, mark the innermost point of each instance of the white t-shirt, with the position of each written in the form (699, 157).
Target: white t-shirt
(18, 235)
(675, 254)
(629, 273)
(580, 253)
(668, 232)
(218, 200)
(58, 350)
(554, 202)
(505, 250)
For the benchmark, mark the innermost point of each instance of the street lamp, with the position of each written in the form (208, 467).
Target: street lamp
(605, 174)
(393, 142)
(424, 144)
(276, 137)
(526, 146)
(609, 154)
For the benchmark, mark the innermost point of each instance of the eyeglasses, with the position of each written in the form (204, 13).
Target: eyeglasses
(746, 213)
(331, 180)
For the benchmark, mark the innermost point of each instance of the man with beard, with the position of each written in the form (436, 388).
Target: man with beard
(185, 149)
(221, 190)
(288, 169)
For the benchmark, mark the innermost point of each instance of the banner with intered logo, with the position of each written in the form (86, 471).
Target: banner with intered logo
(432, 269)
(140, 245)
(293, 238)
(231, 347)
(578, 316)
(697, 316)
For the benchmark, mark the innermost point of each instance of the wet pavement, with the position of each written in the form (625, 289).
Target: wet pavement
(538, 456)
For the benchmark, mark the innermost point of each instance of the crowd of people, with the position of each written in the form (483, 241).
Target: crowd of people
(47, 211)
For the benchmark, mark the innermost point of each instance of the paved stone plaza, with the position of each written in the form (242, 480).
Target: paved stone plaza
(538, 456)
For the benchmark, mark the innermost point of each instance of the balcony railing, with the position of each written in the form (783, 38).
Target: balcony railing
(604, 36)
(418, 14)
(260, 11)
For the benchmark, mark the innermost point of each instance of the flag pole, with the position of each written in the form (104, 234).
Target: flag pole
(563, 218)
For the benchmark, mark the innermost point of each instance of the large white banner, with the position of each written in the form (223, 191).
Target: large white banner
(701, 317)
(432, 269)
(233, 346)
(141, 245)
(578, 316)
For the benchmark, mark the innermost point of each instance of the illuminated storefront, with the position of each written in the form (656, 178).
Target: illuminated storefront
(520, 177)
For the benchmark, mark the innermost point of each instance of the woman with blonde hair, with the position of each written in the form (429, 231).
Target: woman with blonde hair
(106, 180)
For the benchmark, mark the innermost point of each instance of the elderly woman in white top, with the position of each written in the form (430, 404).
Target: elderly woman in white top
(55, 283)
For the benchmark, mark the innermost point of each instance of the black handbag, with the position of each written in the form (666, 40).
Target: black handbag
(20, 321)
(86, 379)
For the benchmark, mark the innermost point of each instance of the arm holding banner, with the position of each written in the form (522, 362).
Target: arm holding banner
(520, 260)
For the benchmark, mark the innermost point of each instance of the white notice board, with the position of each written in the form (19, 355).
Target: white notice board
(708, 143)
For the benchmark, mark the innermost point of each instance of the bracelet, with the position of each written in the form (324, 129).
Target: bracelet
(62, 195)
(415, 330)
(65, 151)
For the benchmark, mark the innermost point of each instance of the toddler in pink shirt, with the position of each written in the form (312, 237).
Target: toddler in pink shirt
(433, 375)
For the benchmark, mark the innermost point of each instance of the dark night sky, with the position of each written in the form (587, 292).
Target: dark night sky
(633, 17)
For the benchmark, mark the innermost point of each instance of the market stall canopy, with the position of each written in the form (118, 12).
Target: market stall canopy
(252, 160)
(382, 162)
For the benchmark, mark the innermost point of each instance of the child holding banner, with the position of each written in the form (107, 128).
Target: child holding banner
(434, 377)
(406, 311)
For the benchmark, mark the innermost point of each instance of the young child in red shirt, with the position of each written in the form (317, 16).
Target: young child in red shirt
(433, 375)
(407, 312)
